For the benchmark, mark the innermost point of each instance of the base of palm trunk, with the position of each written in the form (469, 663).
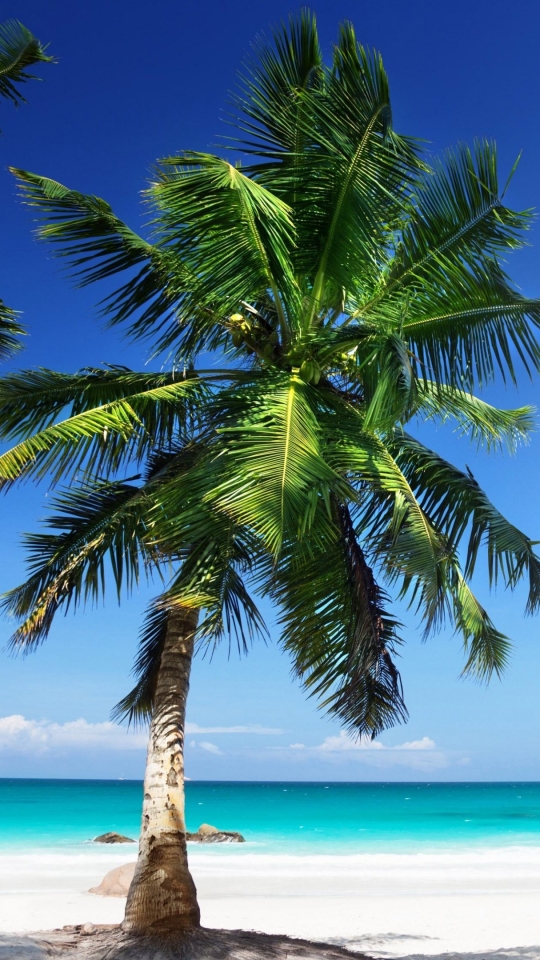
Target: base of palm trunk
(162, 897)
(113, 943)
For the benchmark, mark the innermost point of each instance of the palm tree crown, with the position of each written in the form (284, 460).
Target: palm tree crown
(315, 297)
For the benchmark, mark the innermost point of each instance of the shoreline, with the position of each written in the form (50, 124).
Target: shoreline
(385, 905)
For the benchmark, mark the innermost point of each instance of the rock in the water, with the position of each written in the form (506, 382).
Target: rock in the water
(206, 829)
(222, 836)
(116, 882)
(113, 838)
(208, 834)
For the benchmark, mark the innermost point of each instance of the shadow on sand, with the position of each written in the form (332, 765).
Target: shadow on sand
(109, 943)
(376, 946)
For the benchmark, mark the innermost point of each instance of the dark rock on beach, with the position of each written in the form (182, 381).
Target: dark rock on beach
(113, 838)
(205, 834)
(115, 883)
(208, 834)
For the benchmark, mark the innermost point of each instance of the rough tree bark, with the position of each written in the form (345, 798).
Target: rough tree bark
(162, 897)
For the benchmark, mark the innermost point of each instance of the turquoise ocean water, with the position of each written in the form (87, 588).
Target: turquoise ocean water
(294, 818)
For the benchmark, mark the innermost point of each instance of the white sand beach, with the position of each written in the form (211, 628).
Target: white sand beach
(382, 904)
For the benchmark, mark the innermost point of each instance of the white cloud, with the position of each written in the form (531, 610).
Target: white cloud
(210, 747)
(205, 745)
(22, 735)
(344, 743)
(420, 754)
(424, 744)
(250, 728)
(18, 733)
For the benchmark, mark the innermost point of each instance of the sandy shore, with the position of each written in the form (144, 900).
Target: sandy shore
(384, 905)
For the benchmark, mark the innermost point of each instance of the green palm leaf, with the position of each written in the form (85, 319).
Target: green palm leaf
(97, 526)
(10, 331)
(460, 206)
(19, 50)
(98, 245)
(468, 329)
(487, 425)
(457, 504)
(235, 234)
(136, 706)
(270, 102)
(337, 630)
(487, 649)
(368, 167)
(401, 535)
(96, 437)
(273, 470)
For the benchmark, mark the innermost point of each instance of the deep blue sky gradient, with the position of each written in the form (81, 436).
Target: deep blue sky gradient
(136, 81)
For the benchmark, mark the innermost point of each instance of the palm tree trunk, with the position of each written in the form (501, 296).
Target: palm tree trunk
(162, 896)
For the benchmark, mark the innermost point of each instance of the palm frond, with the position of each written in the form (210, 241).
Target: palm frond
(136, 706)
(390, 387)
(209, 579)
(97, 526)
(367, 172)
(463, 318)
(487, 425)
(96, 438)
(468, 328)
(270, 102)
(273, 470)
(336, 629)
(98, 245)
(487, 650)
(402, 536)
(213, 579)
(235, 234)
(19, 50)
(458, 216)
(10, 331)
(456, 503)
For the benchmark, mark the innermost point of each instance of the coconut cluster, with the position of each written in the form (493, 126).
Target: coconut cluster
(245, 330)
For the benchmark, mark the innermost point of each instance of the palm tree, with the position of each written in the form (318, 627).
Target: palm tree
(344, 289)
(19, 50)
(102, 525)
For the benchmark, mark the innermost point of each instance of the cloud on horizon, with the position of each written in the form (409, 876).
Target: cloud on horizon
(345, 742)
(18, 733)
(250, 728)
(416, 754)
(23, 735)
(207, 747)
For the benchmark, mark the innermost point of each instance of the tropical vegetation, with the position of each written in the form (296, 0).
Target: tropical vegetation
(312, 293)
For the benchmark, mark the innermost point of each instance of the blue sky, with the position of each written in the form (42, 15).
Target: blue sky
(135, 82)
